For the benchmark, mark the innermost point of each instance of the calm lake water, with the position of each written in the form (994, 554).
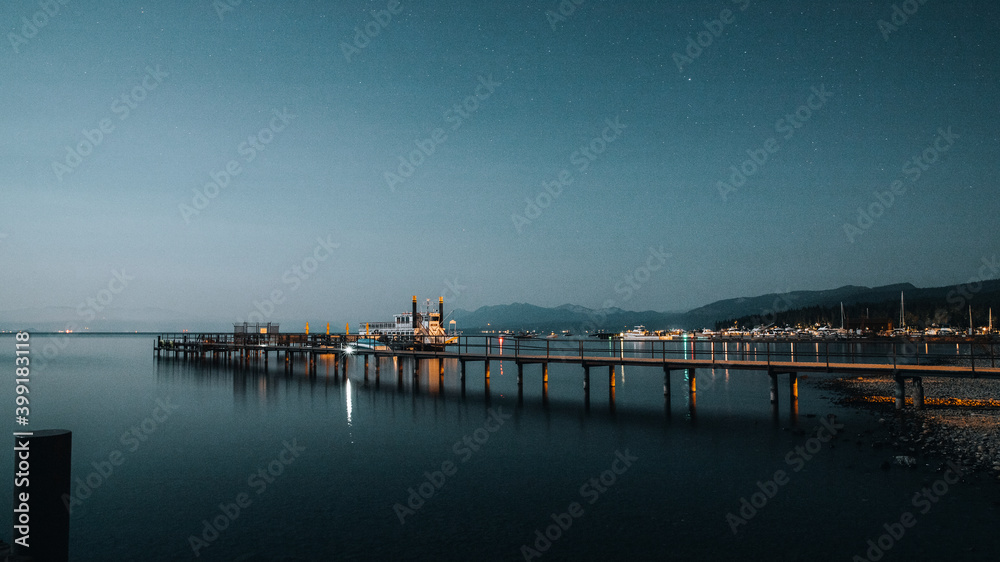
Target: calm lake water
(320, 464)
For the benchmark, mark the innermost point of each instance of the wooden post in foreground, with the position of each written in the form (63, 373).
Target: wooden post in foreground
(41, 519)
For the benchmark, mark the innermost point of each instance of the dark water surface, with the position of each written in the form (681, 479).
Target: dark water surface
(342, 454)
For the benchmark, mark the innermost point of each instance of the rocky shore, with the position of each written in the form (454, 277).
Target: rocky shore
(960, 421)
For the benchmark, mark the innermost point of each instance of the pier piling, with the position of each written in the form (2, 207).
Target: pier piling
(239, 351)
(900, 392)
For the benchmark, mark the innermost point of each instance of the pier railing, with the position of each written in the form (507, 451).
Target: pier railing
(971, 352)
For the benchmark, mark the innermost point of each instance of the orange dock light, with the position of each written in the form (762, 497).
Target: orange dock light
(307, 328)
(328, 328)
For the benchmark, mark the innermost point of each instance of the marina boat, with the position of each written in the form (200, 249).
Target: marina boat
(639, 333)
(371, 343)
(410, 330)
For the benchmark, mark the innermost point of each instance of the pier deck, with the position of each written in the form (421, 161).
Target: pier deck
(902, 359)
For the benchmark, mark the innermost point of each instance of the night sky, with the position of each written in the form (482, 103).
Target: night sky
(198, 157)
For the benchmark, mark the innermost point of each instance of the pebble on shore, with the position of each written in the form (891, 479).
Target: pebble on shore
(960, 421)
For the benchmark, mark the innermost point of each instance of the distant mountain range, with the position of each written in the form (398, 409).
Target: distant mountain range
(942, 305)
(577, 319)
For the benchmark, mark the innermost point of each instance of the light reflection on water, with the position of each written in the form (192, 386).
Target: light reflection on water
(697, 456)
(347, 395)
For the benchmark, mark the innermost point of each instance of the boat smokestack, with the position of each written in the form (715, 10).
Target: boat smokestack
(414, 311)
(441, 310)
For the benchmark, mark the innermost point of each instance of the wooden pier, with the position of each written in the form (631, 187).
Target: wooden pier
(901, 359)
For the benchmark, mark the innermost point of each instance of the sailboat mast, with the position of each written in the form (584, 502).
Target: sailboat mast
(902, 313)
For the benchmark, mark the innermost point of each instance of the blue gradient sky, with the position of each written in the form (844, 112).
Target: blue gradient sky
(62, 236)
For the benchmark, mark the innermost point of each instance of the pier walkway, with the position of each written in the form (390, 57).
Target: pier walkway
(902, 359)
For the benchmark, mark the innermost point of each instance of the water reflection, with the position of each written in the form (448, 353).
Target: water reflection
(349, 406)
(270, 385)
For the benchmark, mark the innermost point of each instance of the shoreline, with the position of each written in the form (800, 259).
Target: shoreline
(960, 421)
